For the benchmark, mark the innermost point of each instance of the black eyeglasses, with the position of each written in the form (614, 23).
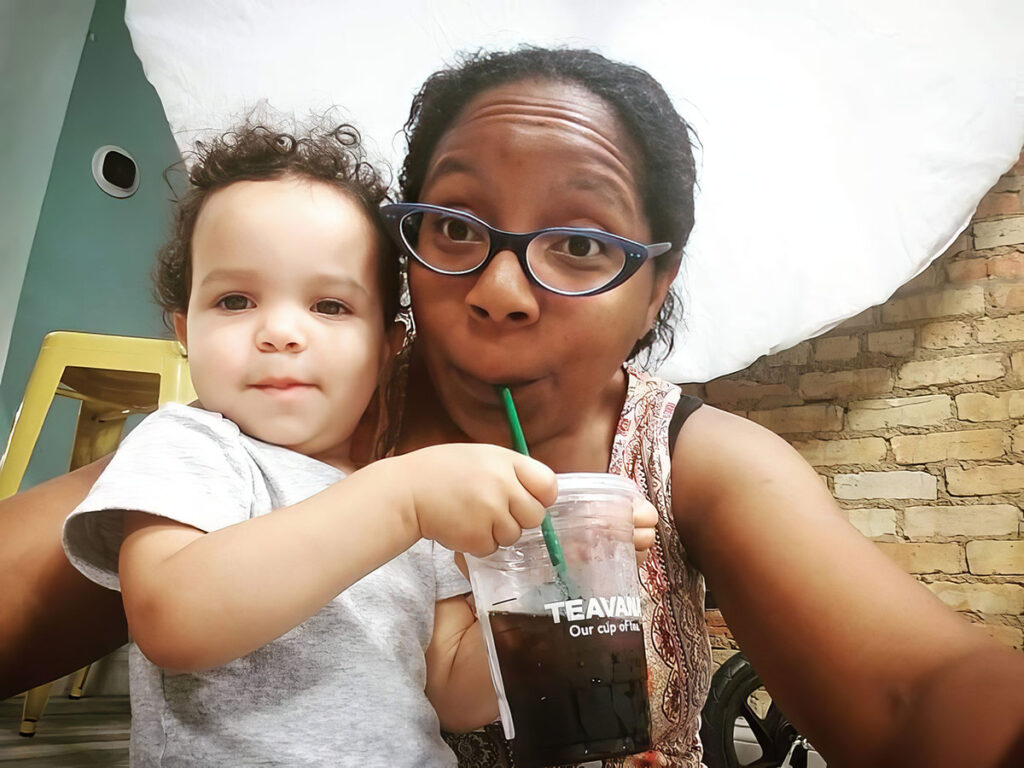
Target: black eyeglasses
(571, 261)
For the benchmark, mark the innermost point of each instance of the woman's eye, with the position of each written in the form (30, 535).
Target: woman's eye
(458, 231)
(580, 246)
(329, 307)
(235, 302)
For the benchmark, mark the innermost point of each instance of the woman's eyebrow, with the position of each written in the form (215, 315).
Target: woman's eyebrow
(449, 164)
(608, 189)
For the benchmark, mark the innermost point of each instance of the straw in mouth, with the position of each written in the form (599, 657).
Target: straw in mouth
(554, 546)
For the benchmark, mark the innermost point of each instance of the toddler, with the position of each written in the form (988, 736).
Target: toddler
(281, 602)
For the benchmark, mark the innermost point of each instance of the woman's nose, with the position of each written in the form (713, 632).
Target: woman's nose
(503, 294)
(280, 331)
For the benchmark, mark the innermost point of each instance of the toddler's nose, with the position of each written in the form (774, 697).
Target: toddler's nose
(280, 331)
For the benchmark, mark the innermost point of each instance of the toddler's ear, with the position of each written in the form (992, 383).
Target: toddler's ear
(181, 328)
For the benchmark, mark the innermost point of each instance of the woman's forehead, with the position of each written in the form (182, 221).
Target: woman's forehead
(540, 124)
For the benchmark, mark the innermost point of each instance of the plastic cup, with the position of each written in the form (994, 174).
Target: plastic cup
(569, 669)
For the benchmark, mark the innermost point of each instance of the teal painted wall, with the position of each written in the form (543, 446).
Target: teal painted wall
(40, 46)
(90, 260)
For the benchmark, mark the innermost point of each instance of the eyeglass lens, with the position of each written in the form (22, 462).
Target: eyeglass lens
(564, 260)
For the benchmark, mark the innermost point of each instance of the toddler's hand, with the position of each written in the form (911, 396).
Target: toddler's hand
(645, 521)
(475, 498)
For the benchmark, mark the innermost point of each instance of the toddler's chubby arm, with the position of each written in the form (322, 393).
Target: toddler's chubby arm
(458, 680)
(196, 600)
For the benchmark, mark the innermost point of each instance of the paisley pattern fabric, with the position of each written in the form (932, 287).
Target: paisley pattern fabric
(676, 636)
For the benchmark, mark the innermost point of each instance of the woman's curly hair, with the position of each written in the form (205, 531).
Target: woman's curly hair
(667, 172)
(252, 152)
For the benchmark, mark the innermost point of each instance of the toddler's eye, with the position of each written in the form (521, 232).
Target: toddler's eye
(235, 302)
(329, 307)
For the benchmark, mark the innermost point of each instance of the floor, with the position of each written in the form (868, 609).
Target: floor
(88, 733)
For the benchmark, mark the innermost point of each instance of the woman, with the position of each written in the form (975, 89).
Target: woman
(864, 660)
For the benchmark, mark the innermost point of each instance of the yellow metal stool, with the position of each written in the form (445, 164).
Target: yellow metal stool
(113, 377)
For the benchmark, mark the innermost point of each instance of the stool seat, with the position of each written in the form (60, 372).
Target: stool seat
(113, 377)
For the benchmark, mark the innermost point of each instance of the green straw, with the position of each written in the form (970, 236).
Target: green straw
(551, 541)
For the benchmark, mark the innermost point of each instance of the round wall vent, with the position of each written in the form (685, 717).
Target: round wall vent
(115, 171)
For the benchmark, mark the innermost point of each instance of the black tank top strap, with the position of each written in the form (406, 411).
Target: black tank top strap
(687, 404)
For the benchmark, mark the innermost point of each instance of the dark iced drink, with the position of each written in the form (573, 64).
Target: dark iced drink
(577, 689)
(565, 646)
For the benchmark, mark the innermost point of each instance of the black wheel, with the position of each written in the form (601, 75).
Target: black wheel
(737, 695)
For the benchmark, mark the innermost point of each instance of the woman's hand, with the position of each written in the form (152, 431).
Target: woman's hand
(645, 523)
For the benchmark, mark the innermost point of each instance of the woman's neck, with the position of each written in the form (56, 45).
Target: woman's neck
(586, 447)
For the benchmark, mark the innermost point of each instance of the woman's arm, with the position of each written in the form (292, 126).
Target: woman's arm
(853, 649)
(458, 678)
(52, 619)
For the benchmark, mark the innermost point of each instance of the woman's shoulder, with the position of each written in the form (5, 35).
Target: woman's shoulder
(718, 453)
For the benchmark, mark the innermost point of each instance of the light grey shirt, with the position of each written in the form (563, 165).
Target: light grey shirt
(344, 688)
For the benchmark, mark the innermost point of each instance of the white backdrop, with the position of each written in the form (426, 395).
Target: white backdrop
(844, 145)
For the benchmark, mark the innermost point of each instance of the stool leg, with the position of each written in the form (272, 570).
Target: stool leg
(28, 422)
(77, 686)
(35, 703)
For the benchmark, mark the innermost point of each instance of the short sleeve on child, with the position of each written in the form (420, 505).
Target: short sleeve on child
(448, 579)
(181, 463)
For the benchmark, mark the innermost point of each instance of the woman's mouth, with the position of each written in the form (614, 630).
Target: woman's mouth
(485, 391)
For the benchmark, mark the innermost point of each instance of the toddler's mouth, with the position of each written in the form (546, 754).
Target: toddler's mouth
(282, 384)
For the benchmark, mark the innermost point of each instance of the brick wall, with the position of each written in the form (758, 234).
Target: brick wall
(913, 413)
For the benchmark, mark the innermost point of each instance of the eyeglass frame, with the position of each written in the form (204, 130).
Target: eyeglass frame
(636, 254)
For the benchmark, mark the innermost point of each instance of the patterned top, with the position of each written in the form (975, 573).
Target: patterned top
(676, 636)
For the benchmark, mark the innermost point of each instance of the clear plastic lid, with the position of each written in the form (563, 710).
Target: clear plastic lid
(583, 486)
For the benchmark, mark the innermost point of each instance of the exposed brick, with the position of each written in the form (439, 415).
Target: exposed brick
(995, 557)
(947, 303)
(989, 234)
(730, 391)
(963, 242)
(923, 411)
(872, 521)
(1006, 296)
(819, 453)
(979, 406)
(925, 558)
(945, 334)
(1018, 439)
(899, 484)
(894, 343)
(836, 348)
(797, 355)
(929, 279)
(868, 318)
(1017, 363)
(1009, 183)
(967, 520)
(1010, 265)
(1009, 636)
(988, 479)
(951, 370)
(841, 384)
(800, 418)
(997, 204)
(984, 598)
(939, 446)
(721, 655)
(967, 270)
(995, 329)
